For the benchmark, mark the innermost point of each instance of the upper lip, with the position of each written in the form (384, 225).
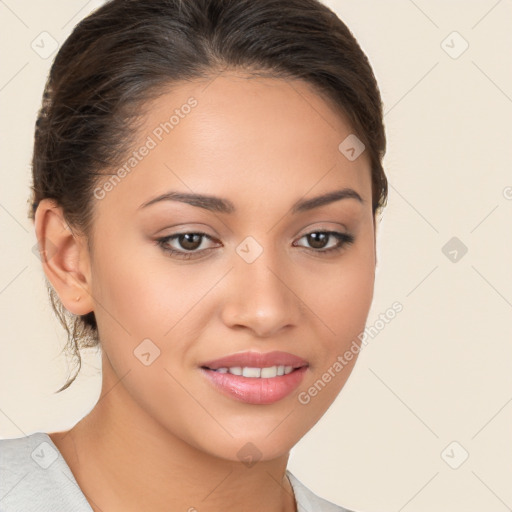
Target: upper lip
(256, 360)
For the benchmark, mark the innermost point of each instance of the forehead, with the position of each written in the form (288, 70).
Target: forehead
(258, 141)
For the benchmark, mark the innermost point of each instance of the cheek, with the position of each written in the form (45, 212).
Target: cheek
(353, 290)
(141, 293)
(341, 303)
(340, 296)
(126, 290)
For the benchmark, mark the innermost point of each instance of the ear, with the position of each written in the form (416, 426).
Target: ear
(65, 258)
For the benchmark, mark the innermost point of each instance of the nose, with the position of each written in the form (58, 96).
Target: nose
(260, 297)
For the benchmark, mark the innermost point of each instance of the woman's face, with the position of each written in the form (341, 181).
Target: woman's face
(260, 280)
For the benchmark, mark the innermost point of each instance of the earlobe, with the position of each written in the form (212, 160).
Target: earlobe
(65, 258)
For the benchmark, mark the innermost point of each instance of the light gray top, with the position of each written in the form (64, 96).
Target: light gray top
(34, 477)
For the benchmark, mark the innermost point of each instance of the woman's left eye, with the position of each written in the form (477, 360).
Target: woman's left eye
(192, 241)
(319, 238)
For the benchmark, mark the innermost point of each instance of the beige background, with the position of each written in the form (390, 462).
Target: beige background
(441, 370)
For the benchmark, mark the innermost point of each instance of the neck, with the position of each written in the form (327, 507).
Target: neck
(124, 460)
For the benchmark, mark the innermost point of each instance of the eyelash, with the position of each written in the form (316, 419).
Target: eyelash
(344, 239)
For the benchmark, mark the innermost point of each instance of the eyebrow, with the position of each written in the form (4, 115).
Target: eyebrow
(221, 205)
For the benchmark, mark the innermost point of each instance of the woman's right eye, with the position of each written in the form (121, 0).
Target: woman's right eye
(188, 241)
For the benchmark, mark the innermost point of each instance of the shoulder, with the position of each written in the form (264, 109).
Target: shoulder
(308, 501)
(34, 476)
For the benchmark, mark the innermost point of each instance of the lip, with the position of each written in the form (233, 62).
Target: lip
(256, 390)
(256, 360)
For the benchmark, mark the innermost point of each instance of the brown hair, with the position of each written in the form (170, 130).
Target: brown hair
(129, 51)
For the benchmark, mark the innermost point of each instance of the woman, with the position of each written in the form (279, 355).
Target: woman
(206, 182)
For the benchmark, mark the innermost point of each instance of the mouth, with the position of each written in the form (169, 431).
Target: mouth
(268, 372)
(256, 378)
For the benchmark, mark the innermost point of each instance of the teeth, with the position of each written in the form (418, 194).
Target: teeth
(251, 372)
(264, 373)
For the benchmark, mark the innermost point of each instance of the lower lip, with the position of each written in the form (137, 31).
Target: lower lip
(253, 390)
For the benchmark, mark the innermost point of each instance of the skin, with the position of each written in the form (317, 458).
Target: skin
(161, 434)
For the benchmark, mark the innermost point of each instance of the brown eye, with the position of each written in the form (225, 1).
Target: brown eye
(188, 244)
(190, 241)
(319, 239)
